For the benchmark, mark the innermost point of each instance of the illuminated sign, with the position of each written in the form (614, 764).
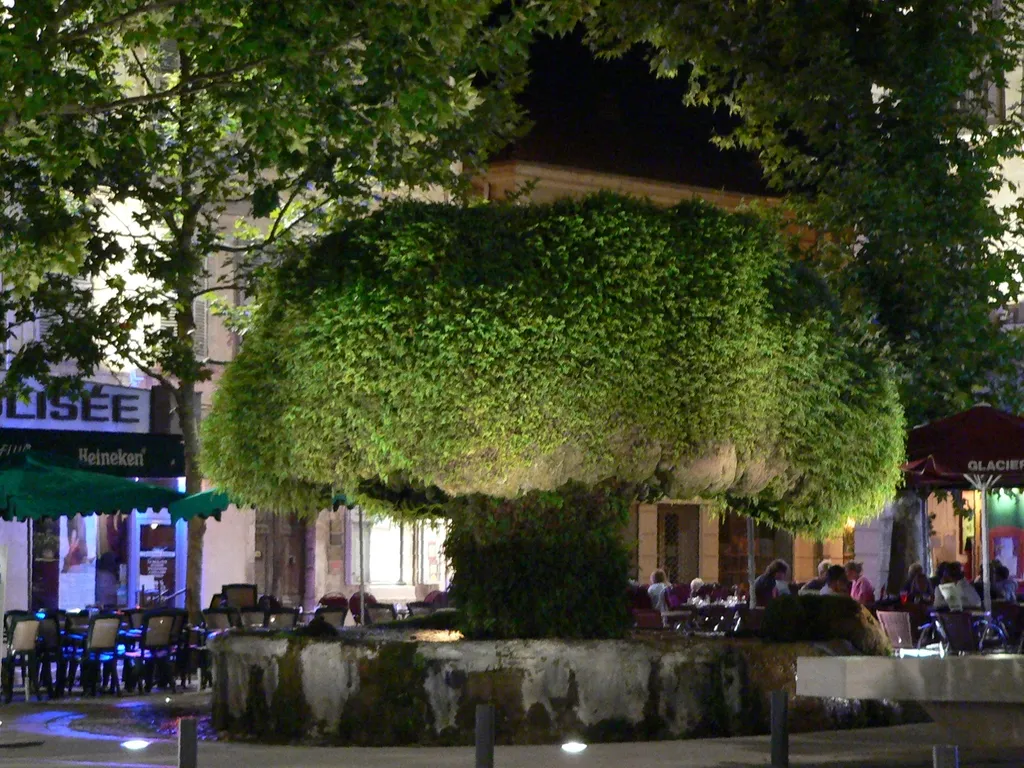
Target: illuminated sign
(102, 408)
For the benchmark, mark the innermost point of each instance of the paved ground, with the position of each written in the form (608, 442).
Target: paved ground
(90, 734)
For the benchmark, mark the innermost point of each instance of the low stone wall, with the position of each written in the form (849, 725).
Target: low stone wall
(374, 691)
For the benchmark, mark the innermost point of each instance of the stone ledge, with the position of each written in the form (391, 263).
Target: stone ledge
(960, 679)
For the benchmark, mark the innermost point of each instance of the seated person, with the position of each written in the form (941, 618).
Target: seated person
(1003, 587)
(772, 583)
(659, 586)
(919, 590)
(967, 595)
(861, 590)
(836, 582)
(814, 585)
(695, 586)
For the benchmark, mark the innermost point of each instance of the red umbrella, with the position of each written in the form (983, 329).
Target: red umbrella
(980, 448)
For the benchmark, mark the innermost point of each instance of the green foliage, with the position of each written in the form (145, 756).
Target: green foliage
(877, 120)
(547, 564)
(817, 618)
(499, 349)
(148, 137)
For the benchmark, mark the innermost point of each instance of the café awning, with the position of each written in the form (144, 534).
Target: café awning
(209, 503)
(35, 485)
(981, 448)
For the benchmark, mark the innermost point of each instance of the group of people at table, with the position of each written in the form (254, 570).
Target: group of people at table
(849, 580)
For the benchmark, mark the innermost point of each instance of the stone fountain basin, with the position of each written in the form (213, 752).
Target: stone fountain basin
(368, 689)
(978, 699)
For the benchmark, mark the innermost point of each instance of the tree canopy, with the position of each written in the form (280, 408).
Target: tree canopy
(888, 125)
(501, 349)
(156, 152)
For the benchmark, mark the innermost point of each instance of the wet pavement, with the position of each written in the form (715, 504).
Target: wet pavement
(92, 732)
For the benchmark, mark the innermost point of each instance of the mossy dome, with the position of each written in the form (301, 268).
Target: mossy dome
(500, 349)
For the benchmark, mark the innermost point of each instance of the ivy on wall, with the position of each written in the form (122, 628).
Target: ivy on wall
(500, 349)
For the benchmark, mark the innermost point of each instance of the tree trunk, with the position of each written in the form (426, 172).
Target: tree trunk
(188, 415)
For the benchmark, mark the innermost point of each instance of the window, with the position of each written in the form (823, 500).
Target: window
(385, 549)
(432, 566)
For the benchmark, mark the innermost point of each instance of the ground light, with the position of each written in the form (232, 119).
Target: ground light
(135, 744)
(573, 747)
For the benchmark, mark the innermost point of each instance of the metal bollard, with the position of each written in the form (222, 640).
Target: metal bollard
(780, 729)
(188, 743)
(484, 736)
(945, 756)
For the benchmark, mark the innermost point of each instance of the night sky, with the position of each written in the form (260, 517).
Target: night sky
(615, 116)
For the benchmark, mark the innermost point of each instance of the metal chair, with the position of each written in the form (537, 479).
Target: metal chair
(99, 654)
(333, 616)
(381, 613)
(240, 596)
(898, 629)
(354, 607)
(151, 664)
(956, 630)
(21, 650)
(252, 617)
(283, 618)
(217, 619)
(50, 653)
(420, 608)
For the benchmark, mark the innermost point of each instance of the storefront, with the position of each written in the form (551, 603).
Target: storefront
(92, 560)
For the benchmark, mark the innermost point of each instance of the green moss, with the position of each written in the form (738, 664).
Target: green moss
(391, 706)
(290, 714)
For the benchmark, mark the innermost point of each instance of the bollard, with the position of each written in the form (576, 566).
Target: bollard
(780, 729)
(484, 736)
(945, 756)
(188, 744)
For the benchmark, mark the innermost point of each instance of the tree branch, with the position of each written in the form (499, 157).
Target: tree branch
(149, 371)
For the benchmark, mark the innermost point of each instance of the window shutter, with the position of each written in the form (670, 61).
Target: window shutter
(201, 338)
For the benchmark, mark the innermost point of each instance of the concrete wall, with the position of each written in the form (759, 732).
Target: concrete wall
(228, 551)
(378, 692)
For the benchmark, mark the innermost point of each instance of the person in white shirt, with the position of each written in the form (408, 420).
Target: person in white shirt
(814, 586)
(659, 586)
(964, 592)
(836, 582)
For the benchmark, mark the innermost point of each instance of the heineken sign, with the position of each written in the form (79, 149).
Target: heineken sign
(125, 454)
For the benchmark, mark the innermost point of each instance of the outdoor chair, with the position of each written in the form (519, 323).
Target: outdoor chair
(21, 651)
(677, 596)
(252, 617)
(98, 655)
(135, 618)
(240, 596)
(283, 618)
(10, 617)
(647, 618)
(217, 619)
(381, 613)
(50, 653)
(718, 619)
(898, 628)
(957, 632)
(420, 608)
(333, 616)
(353, 606)
(150, 664)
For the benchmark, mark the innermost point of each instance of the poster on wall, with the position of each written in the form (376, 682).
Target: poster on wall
(156, 559)
(77, 558)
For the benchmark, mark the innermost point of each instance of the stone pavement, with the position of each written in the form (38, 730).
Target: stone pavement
(86, 734)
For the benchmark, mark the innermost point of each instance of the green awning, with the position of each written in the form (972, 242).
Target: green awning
(203, 504)
(35, 485)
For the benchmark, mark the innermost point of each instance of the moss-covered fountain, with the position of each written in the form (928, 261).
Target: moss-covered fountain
(527, 372)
